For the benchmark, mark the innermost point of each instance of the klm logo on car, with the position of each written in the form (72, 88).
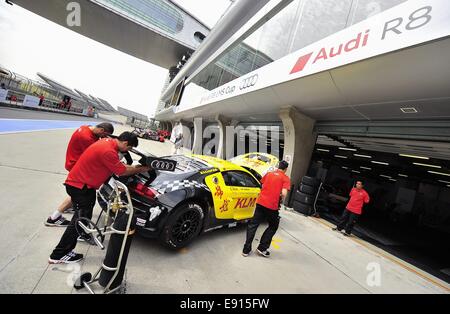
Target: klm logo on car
(245, 202)
(393, 27)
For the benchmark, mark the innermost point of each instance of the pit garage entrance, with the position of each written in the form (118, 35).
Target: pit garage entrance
(405, 167)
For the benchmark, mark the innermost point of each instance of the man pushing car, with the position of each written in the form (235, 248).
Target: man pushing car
(81, 139)
(95, 166)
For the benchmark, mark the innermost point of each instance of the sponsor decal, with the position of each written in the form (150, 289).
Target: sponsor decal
(209, 171)
(245, 202)
(224, 207)
(219, 192)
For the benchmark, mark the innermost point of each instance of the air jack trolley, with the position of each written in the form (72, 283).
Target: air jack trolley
(121, 230)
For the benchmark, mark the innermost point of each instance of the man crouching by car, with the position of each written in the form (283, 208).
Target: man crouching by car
(94, 167)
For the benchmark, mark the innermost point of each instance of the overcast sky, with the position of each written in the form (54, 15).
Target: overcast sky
(31, 44)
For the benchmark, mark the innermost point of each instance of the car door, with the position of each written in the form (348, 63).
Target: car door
(243, 190)
(221, 195)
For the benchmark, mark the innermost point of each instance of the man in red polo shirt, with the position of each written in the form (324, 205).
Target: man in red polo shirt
(275, 185)
(81, 139)
(358, 197)
(95, 166)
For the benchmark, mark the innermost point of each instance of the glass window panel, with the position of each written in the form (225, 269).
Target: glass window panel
(321, 18)
(367, 8)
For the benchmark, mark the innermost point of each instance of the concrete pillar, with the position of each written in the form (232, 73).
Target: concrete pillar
(197, 147)
(223, 123)
(299, 142)
(186, 134)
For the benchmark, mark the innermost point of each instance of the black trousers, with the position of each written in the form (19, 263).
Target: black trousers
(262, 214)
(347, 221)
(83, 203)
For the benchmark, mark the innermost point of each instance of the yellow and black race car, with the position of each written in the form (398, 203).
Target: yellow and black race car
(202, 194)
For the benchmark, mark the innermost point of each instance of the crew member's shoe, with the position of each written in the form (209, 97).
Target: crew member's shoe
(246, 253)
(58, 222)
(264, 253)
(346, 234)
(69, 258)
(335, 229)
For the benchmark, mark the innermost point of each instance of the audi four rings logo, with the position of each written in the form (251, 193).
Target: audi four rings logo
(162, 165)
(249, 82)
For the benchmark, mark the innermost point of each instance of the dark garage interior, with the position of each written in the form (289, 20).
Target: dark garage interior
(409, 185)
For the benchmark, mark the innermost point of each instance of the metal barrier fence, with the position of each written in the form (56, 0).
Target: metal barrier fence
(20, 99)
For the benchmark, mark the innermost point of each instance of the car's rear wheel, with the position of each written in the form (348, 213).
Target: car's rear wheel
(182, 226)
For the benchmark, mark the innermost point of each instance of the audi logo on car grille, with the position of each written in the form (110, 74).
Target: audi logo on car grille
(248, 82)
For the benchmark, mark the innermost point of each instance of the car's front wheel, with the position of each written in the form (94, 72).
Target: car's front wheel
(182, 226)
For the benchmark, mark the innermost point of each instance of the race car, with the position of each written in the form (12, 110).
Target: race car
(257, 163)
(149, 135)
(202, 194)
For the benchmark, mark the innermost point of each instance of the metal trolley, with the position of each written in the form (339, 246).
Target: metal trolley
(119, 225)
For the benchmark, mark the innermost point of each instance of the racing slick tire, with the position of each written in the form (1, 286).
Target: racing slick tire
(304, 198)
(302, 208)
(310, 181)
(182, 226)
(307, 189)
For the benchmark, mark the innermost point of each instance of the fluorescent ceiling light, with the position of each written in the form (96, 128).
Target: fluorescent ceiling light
(344, 167)
(346, 148)
(402, 175)
(339, 156)
(356, 171)
(367, 168)
(380, 163)
(426, 165)
(323, 150)
(413, 156)
(444, 181)
(409, 110)
(363, 156)
(385, 176)
(440, 173)
(393, 180)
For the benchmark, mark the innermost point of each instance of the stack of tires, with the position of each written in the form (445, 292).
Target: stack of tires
(305, 195)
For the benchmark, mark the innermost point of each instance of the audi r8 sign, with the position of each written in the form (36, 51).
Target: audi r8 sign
(408, 24)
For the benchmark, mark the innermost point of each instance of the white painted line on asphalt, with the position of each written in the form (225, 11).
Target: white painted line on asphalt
(29, 131)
